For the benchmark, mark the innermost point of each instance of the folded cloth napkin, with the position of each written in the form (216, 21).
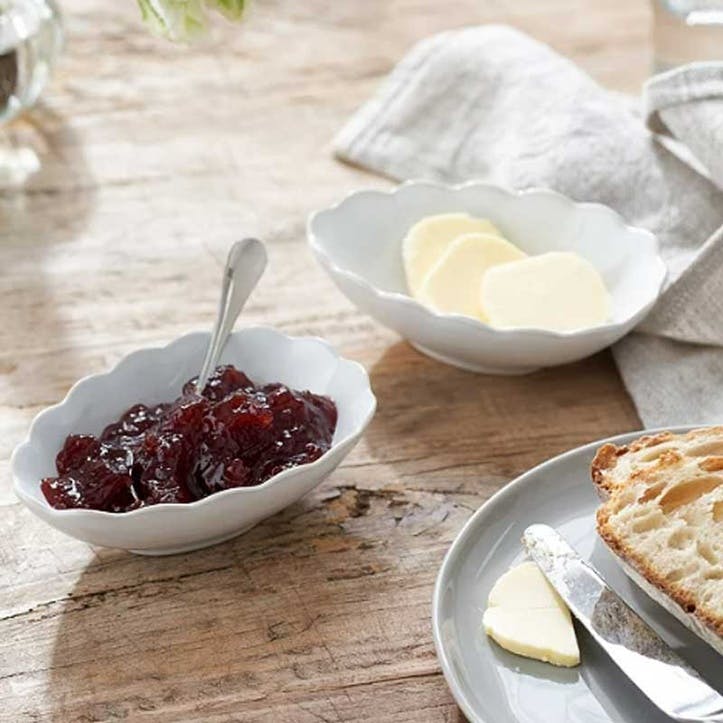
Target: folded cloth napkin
(491, 103)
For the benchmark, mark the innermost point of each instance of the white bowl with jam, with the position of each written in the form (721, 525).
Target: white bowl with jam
(187, 482)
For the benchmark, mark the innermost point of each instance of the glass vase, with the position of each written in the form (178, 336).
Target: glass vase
(30, 40)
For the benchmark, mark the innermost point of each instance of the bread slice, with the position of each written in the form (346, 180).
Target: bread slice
(662, 516)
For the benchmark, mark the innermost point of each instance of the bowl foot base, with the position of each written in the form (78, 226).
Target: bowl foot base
(160, 551)
(472, 367)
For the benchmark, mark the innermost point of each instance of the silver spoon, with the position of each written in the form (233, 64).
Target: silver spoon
(244, 266)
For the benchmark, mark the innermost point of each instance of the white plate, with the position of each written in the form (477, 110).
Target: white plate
(493, 686)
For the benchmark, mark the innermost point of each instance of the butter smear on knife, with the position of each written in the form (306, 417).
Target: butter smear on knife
(526, 616)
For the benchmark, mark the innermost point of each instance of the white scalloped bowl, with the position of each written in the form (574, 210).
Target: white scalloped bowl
(156, 374)
(358, 242)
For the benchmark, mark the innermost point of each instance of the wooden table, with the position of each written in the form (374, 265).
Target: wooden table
(155, 157)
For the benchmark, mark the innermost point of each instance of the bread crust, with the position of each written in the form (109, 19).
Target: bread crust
(617, 467)
(607, 457)
(685, 601)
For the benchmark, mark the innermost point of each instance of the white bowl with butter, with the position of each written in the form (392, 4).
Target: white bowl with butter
(360, 243)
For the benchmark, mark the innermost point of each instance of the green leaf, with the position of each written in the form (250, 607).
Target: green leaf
(151, 17)
(185, 19)
(232, 9)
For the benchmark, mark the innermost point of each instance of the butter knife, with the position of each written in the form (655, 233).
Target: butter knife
(659, 672)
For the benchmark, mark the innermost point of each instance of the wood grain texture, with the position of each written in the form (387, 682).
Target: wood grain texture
(155, 157)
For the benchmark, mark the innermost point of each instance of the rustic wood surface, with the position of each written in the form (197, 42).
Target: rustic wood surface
(154, 158)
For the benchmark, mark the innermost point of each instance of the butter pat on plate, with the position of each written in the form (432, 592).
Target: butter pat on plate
(558, 291)
(452, 285)
(526, 616)
(428, 239)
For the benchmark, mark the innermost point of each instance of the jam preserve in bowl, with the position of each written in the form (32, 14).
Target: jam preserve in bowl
(126, 461)
(233, 434)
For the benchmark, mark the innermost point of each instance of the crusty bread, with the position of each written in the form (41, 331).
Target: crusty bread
(662, 516)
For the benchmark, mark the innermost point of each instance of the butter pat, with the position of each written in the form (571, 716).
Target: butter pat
(559, 291)
(452, 285)
(526, 616)
(427, 240)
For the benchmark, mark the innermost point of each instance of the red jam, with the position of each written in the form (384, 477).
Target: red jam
(235, 434)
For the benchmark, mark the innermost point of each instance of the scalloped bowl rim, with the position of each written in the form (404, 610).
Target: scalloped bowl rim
(396, 297)
(212, 499)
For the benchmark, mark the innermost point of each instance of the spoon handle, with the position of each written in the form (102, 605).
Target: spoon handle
(244, 266)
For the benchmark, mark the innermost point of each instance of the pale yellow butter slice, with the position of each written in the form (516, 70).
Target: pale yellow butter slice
(427, 240)
(452, 285)
(526, 616)
(559, 291)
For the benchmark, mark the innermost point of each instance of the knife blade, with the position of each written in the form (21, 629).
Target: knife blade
(650, 663)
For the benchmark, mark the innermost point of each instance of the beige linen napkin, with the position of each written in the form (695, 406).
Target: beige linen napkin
(491, 103)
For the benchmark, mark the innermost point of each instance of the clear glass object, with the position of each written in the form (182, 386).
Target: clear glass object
(30, 39)
(685, 31)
